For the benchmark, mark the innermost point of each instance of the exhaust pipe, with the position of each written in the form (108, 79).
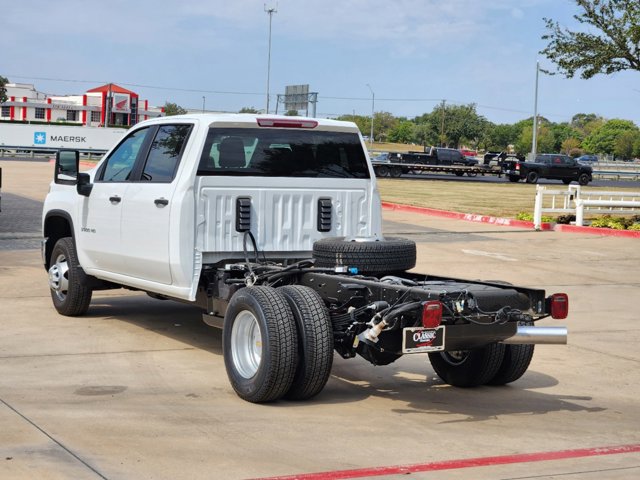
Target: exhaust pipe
(539, 335)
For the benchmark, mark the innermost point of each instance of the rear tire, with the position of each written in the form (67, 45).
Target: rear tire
(532, 177)
(514, 364)
(368, 256)
(259, 344)
(514, 179)
(315, 341)
(468, 368)
(70, 295)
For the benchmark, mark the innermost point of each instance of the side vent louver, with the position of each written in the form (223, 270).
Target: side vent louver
(324, 214)
(243, 214)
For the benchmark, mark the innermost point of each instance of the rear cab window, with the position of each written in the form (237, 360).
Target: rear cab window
(277, 152)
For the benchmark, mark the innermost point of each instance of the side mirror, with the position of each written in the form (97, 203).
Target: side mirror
(67, 165)
(84, 185)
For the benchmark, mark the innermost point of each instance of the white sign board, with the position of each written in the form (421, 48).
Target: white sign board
(17, 136)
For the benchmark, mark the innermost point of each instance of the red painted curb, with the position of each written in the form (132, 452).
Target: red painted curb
(471, 217)
(609, 232)
(463, 463)
(508, 222)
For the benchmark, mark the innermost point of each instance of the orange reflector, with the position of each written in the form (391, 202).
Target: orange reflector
(559, 305)
(431, 314)
(285, 123)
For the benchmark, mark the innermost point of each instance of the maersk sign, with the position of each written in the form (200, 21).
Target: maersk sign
(54, 137)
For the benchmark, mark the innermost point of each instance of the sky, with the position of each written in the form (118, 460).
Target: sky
(410, 54)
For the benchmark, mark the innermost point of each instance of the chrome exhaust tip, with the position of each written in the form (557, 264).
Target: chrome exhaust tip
(538, 335)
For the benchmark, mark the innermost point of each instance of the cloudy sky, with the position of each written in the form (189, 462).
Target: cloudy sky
(413, 54)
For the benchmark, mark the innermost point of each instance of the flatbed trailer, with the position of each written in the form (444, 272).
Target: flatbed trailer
(394, 169)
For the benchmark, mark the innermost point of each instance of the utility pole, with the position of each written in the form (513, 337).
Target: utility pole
(534, 140)
(203, 99)
(373, 109)
(270, 11)
(442, 124)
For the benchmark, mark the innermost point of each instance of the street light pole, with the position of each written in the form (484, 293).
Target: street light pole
(270, 11)
(203, 99)
(373, 109)
(534, 140)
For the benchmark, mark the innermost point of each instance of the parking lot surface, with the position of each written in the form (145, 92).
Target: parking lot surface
(137, 389)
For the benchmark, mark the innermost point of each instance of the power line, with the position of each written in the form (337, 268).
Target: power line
(327, 97)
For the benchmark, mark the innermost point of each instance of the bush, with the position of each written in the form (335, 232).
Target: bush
(616, 223)
(634, 227)
(528, 217)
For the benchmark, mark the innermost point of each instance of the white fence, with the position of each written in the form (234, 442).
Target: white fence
(575, 201)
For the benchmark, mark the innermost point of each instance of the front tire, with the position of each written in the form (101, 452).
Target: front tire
(315, 341)
(583, 179)
(70, 295)
(259, 344)
(468, 368)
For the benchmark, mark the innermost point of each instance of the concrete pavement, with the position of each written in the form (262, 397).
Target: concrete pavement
(137, 389)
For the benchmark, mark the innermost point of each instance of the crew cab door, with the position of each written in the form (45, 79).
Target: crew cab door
(146, 217)
(99, 238)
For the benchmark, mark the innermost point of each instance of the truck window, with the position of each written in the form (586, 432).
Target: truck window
(267, 152)
(120, 163)
(165, 153)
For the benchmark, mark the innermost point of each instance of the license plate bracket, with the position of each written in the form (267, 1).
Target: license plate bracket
(423, 340)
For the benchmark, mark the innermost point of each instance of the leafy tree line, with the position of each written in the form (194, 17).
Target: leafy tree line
(460, 125)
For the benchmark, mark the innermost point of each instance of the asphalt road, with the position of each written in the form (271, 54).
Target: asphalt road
(137, 389)
(496, 179)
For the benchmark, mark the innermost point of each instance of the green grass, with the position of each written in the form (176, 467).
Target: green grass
(496, 199)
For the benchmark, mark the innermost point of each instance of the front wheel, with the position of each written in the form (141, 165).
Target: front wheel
(69, 292)
(382, 171)
(468, 368)
(259, 344)
(583, 179)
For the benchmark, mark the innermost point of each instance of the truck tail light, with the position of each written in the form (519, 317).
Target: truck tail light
(431, 314)
(559, 305)
(517, 166)
(286, 123)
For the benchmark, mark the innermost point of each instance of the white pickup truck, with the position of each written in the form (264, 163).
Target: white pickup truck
(272, 225)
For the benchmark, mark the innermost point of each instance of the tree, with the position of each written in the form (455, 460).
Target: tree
(603, 139)
(363, 123)
(614, 47)
(292, 113)
(571, 146)
(499, 137)
(173, 109)
(624, 144)
(383, 123)
(3, 89)
(456, 123)
(404, 132)
(248, 110)
(545, 139)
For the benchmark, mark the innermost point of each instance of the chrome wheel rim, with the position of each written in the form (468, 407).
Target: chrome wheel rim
(455, 357)
(59, 277)
(246, 344)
